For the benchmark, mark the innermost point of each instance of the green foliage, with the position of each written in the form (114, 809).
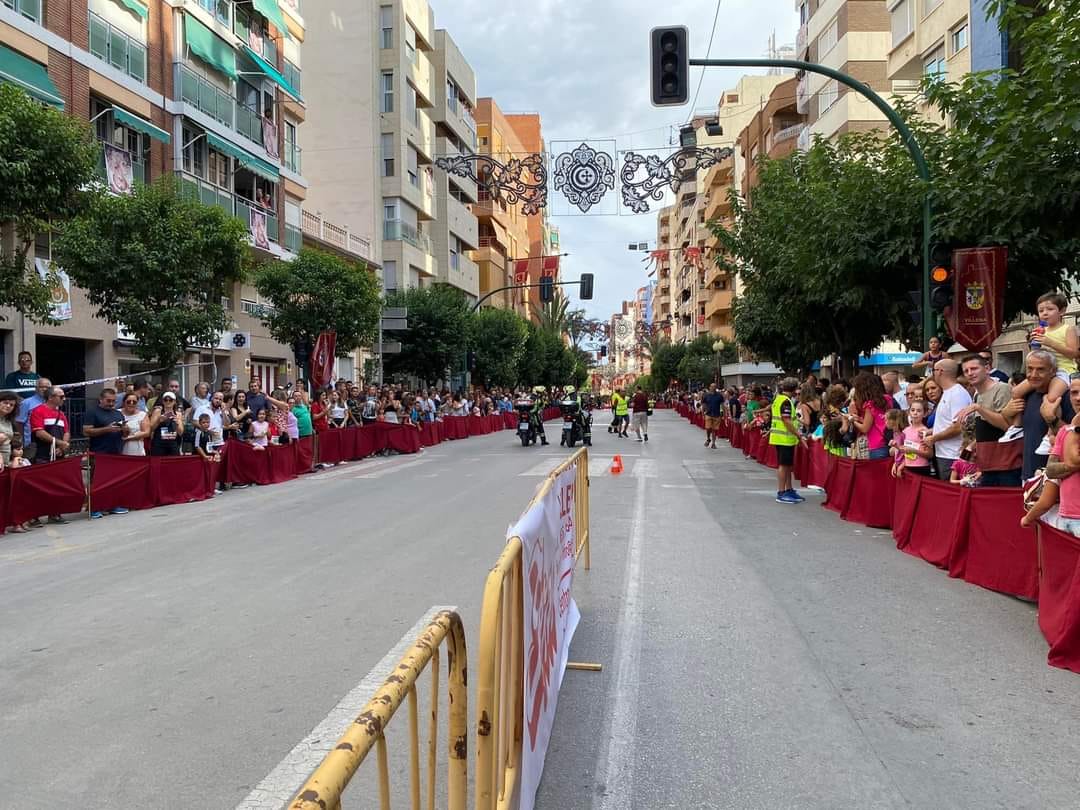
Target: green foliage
(665, 362)
(438, 335)
(498, 338)
(159, 264)
(554, 317)
(317, 292)
(46, 158)
(649, 384)
(697, 369)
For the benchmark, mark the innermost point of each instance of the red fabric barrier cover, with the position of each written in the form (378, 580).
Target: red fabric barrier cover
(305, 454)
(429, 434)
(1059, 596)
(181, 479)
(904, 500)
(750, 442)
(5, 501)
(761, 449)
(403, 438)
(1001, 556)
(737, 439)
(770, 459)
(496, 421)
(245, 465)
(937, 523)
(839, 483)
(47, 489)
(872, 492)
(364, 441)
(282, 462)
(457, 427)
(333, 446)
(478, 426)
(121, 481)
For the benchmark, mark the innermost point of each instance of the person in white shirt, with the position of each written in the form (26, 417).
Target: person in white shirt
(219, 418)
(946, 439)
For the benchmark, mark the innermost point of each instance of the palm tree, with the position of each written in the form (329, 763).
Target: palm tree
(554, 316)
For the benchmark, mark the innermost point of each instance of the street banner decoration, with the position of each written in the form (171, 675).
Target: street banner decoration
(549, 266)
(978, 311)
(584, 173)
(258, 229)
(270, 139)
(60, 292)
(548, 540)
(653, 260)
(118, 171)
(322, 359)
(694, 257)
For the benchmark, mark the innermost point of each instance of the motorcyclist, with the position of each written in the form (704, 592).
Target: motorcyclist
(537, 413)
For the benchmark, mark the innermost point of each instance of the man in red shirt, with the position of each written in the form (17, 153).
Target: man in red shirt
(640, 406)
(49, 428)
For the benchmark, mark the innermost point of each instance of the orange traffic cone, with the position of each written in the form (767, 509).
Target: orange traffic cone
(616, 465)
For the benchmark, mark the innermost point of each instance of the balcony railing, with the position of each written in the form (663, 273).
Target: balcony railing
(222, 10)
(396, 230)
(206, 96)
(293, 75)
(112, 45)
(294, 238)
(318, 228)
(209, 194)
(248, 123)
(31, 9)
(788, 133)
(264, 46)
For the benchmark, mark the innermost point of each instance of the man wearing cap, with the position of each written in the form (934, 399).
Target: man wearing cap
(785, 437)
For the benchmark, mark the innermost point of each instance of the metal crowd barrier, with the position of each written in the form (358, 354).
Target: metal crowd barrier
(500, 685)
(323, 789)
(500, 692)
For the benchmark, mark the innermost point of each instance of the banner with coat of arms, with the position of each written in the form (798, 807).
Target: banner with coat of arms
(60, 292)
(978, 312)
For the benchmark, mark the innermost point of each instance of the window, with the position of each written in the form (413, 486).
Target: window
(959, 39)
(410, 44)
(387, 92)
(386, 23)
(292, 151)
(390, 211)
(451, 94)
(218, 169)
(31, 9)
(390, 275)
(902, 15)
(455, 253)
(929, 5)
(411, 110)
(414, 171)
(804, 13)
(387, 154)
(827, 40)
(828, 96)
(484, 141)
(131, 141)
(934, 65)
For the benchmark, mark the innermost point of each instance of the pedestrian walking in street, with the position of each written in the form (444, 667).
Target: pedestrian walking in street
(621, 407)
(640, 406)
(713, 403)
(784, 436)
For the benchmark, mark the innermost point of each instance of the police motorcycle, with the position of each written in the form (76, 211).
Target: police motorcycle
(574, 420)
(530, 426)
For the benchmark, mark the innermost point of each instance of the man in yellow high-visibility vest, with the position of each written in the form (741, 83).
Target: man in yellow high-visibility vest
(784, 436)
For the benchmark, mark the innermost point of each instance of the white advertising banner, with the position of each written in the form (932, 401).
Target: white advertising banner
(548, 538)
(61, 291)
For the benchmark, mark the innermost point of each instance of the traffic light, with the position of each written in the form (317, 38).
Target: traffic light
(670, 66)
(941, 278)
(585, 289)
(547, 289)
(603, 351)
(470, 361)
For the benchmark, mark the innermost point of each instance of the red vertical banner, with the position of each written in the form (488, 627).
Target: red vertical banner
(978, 311)
(322, 359)
(521, 271)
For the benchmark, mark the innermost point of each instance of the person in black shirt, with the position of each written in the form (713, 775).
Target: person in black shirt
(166, 427)
(103, 424)
(713, 403)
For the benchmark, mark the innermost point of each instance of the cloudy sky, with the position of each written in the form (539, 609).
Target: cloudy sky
(583, 65)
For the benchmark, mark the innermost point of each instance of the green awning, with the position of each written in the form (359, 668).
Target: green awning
(32, 77)
(271, 73)
(140, 124)
(209, 47)
(270, 10)
(249, 161)
(135, 7)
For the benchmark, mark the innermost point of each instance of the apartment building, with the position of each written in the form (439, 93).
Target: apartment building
(503, 228)
(853, 36)
(661, 309)
(207, 90)
(719, 283)
(455, 232)
(930, 38)
(773, 131)
(530, 132)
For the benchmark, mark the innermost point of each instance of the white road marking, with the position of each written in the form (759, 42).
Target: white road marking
(273, 792)
(617, 764)
(390, 469)
(542, 469)
(698, 470)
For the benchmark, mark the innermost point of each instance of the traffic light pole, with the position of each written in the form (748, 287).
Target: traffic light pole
(909, 140)
(476, 306)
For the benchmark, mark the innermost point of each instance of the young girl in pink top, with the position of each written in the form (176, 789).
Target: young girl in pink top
(915, 453)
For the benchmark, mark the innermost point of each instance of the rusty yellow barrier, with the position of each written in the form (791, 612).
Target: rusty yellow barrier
(323, 789)
(500, 685)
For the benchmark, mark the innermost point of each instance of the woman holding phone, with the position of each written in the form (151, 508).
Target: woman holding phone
(137, 425)
(166, 426)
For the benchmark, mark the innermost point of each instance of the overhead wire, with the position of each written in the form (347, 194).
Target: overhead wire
(708, 54)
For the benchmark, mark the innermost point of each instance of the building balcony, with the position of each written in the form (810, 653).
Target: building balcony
(419, 76)
(138, 169)
(396, 230)
(445, 146)
(454, 116)
(219, 104)
(719, 204)
(724, 331)
(420, 132)
(294, 238)
(720, 301)
(487, 208)
(462, 223)
(110, 44)
(317, 228)
(198, 189)
(490, 251)
(466, 276)
(292, 155)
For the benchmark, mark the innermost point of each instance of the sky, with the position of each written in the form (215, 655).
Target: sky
(584, 66)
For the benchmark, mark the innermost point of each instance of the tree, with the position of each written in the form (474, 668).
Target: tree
(438, 335)
(581, 328)
(46, 159)
(554, 316)
(665, 362)
(319, 292)
(498, 338)
(158, 263)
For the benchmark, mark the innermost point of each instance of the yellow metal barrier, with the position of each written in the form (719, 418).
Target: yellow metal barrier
(324, 788)
(500, 688)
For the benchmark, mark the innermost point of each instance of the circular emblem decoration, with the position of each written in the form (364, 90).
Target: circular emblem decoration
(239, 340)
(584, 176)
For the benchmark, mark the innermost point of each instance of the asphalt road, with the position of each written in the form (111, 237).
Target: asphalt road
(755, 655)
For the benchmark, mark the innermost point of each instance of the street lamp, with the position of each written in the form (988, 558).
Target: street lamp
(718, 347)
